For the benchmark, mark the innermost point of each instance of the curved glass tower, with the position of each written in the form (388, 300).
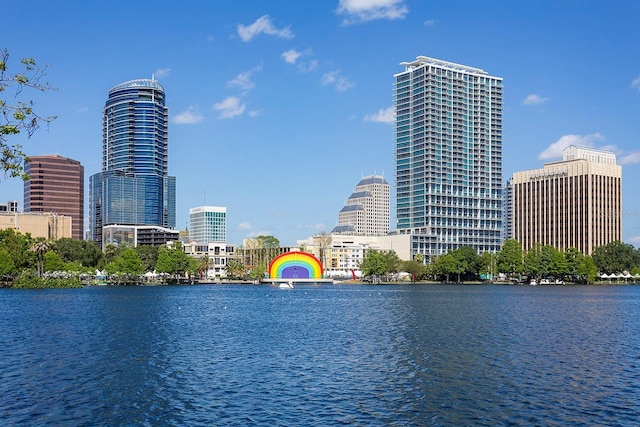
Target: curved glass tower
(134, 187)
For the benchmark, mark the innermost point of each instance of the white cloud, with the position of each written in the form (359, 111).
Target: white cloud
(636, 83)
(255, 113)
(555, 150)
(163, 72)
(291, 56)
(384, 115)
(191, 116)
(635, 240)
(357, 11)
(339, 82)
(83, 110)
(430, 23)
(630, 159)
(229, 107)
(534, 99)
(210, 39)
(245, 226)
(243, 80)
(262, 25)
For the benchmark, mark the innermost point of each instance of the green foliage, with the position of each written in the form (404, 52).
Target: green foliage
(373, 264)
(173, 260)
(236, 270)
(28, 281)
(6, 263)
(509, 260)
(587, 270)
(17, 245)
(128, 262)
(149, 256)
(53, 262)
(18, 116)
(85, 252)
(616, 257)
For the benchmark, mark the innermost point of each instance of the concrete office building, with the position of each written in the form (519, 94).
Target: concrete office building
(56, 185)
(448, 151)
(575, 202)
(367, 211)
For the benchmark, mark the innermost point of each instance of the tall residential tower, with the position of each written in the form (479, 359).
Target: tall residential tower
(134, 187)
(448, 156)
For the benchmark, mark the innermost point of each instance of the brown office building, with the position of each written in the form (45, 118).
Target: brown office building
(576, 202)
(56, 185)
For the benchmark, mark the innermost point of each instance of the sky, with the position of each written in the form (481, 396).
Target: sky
(278, 108)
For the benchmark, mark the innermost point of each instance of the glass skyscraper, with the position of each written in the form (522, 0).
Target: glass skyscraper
(448, 148)
(134, 187)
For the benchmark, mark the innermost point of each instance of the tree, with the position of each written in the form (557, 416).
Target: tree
(587, 269)
(373, 264)
(40, 248)
(531, 264)
(85, 252)
(174, 261)
(18, 116)
(127, 262)
(445, 265)
(509, 258)
(574, 258)
(17, 245)
(615, 257)
(149, 256)
(53, 262)
(236, 270)
(323, 241)
(6, 263)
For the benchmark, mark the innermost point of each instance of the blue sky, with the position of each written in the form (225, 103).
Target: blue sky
(278, 108)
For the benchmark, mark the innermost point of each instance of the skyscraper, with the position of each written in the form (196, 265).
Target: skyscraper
(448, 156)
(56, 185)
(575, 202)
(134, 187)
(208, 224)
(366, 212)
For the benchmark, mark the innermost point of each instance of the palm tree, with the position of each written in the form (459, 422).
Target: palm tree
(40, 248)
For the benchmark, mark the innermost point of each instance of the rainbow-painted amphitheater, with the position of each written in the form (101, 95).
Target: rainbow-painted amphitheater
(296, 266)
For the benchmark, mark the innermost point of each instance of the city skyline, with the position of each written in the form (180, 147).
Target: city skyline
(275, 110)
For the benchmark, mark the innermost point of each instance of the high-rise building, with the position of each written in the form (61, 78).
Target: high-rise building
(56, 186)
(448, 148)
(134, 187)
(367, 211)
(208, 224)
(575, 202)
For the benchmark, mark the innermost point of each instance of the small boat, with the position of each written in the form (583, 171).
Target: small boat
(533, 282)
(287, 285)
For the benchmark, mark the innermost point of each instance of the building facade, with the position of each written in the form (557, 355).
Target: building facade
(56, 185)
(208, 224)
(448, 151)
(576, 202)
(134, 187)
(45, 225)
(367, 210)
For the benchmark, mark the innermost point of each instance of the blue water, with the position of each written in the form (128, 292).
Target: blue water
(320, 356)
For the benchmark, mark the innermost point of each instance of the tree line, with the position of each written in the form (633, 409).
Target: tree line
(541, 261)
(25, 260)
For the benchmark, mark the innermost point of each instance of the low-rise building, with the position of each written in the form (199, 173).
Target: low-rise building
(46, 225)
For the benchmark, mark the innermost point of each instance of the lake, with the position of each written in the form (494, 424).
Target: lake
(362, 355)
